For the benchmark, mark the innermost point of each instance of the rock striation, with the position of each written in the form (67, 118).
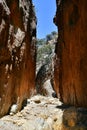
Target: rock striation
(17, 52)
(71, 52)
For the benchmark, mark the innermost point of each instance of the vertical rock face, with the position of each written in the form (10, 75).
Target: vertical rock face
(17, 52)
(71, 52)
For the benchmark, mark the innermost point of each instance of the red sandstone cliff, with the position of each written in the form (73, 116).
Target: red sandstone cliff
(71, 52)
(17, 52)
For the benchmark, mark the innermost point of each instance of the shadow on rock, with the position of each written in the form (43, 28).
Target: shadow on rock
(74, 118)
(63, 106)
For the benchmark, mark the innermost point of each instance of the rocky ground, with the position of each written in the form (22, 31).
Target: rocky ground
(46, 113)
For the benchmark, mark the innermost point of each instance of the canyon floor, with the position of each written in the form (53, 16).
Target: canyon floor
(46, 113)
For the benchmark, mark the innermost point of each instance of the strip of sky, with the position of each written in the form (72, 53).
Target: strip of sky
(45, 11)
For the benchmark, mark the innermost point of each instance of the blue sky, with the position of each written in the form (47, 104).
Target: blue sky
(45, 11)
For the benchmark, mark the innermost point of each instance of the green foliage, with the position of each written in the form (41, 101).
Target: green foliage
(49, 37)
(45, 49)
(54, 33)
(44, 53)
(41, 41)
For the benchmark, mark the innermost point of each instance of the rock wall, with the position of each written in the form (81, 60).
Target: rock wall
(17, 52)
(71, 52)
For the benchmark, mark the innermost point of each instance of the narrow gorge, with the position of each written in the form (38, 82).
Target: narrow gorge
(18, 79)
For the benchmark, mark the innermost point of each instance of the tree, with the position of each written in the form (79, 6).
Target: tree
(54, 33)
(49, 37)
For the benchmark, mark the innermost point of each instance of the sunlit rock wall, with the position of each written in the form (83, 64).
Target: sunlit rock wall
(17, 52)
(71, 52)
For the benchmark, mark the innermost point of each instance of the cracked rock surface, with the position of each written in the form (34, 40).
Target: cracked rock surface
(46, 113)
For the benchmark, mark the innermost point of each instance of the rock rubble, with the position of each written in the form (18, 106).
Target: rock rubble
(46, 113)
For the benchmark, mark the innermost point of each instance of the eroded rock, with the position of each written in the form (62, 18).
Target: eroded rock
(17, 53)
(70, 78)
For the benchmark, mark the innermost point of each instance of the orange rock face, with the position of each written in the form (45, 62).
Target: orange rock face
(17, 52)
(71, 52)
